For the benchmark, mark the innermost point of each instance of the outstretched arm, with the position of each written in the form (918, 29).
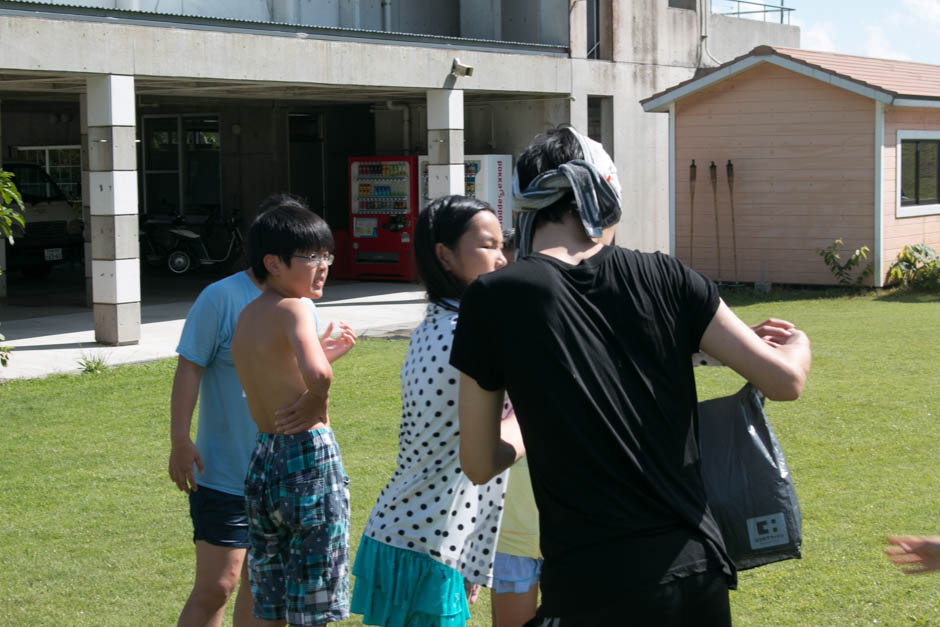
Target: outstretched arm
(183, 453)
(777, 370)
(921, 554)
(488, 445)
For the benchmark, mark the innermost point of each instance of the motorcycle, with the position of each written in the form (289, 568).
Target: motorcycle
(183, 244)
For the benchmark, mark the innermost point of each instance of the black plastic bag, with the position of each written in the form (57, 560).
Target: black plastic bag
(749, 488)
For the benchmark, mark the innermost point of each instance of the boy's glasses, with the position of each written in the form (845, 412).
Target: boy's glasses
(317, 258)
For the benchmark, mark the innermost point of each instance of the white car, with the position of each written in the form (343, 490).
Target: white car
(54, 227)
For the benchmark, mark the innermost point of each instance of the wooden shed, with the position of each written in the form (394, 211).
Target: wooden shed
(823, 146)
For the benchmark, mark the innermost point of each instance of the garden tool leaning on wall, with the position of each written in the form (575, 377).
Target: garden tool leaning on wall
(734, 243)
(692, 170)
(713, 173)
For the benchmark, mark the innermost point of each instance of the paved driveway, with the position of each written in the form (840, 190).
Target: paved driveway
(51, 330)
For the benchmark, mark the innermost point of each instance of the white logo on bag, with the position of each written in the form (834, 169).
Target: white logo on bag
(765, 531)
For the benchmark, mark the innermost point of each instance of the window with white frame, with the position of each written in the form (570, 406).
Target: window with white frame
(62, 163)
(918, 173)
(182, 164)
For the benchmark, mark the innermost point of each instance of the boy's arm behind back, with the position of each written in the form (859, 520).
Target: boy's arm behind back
(312, 362)
(279, 360)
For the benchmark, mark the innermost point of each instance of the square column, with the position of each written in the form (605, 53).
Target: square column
(577, 30)
(86, 196)
(3, 254)
(112, 198)
(445, 142)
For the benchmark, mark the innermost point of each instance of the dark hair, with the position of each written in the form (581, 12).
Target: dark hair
(443, 221)
(285, 226)
(546, 152)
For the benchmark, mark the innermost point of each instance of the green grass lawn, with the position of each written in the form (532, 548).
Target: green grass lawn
(93, 532)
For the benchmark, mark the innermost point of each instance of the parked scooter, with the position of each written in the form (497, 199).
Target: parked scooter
(181, 245)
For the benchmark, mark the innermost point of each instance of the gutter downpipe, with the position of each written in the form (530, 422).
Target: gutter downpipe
(878, 279)
(405, 124)
(704, 11)
(387, 15)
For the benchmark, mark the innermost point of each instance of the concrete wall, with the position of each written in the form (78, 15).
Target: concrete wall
(162, 52)
(730, 37)
(803, 155)
(655, 47)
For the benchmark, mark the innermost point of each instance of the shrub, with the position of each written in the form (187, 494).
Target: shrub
(917, 267)
(9, 217)
(843, 271)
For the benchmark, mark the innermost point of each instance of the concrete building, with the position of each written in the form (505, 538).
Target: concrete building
(209, 105)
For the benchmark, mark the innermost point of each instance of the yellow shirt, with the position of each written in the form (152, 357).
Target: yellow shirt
(519, 530)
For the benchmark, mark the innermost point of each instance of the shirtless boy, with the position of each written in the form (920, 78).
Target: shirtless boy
(296, 490)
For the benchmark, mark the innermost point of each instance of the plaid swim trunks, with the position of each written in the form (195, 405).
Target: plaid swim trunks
(297, 498)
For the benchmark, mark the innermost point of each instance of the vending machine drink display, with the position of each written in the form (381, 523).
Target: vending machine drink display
(383, 211)
(487, 177)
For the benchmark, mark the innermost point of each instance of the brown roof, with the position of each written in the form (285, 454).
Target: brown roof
(895, 79)
(904, 78)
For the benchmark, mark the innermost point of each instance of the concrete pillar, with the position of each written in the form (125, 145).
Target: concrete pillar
(3, 243)
(112, 165)
(577, 29)
(577, 44)
(445, 142)
(86, 197)
(606, 29)
(607, 125)
(578, 107)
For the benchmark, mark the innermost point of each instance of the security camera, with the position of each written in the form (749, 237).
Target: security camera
(459, 69)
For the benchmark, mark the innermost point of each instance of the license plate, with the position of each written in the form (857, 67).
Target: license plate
(52, 254)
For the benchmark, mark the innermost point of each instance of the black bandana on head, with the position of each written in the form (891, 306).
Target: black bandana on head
(592, 180)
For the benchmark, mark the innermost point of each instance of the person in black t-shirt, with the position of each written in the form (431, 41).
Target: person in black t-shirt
(593, 343)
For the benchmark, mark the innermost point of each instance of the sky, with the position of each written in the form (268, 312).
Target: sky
(889, 29)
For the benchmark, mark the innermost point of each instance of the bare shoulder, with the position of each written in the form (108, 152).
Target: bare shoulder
(294, 308)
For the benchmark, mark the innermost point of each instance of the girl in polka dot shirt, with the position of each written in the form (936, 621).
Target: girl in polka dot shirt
(431, 537)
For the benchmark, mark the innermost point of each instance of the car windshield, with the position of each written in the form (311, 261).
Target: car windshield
(34, 184)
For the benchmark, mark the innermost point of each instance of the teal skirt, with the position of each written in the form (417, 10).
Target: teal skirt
(401, 588)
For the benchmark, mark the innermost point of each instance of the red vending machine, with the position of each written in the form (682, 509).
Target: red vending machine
(383, 210)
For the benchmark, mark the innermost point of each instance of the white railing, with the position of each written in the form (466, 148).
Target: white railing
(754, 10)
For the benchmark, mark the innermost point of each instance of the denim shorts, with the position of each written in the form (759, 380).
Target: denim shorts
(514, 573)
(297, 496)
(218, 518)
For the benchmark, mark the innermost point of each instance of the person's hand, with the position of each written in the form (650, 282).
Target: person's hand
(920, 554)
(182, 457)
(472, 590)
(773, 331)
(334, 348)
(300, 416)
